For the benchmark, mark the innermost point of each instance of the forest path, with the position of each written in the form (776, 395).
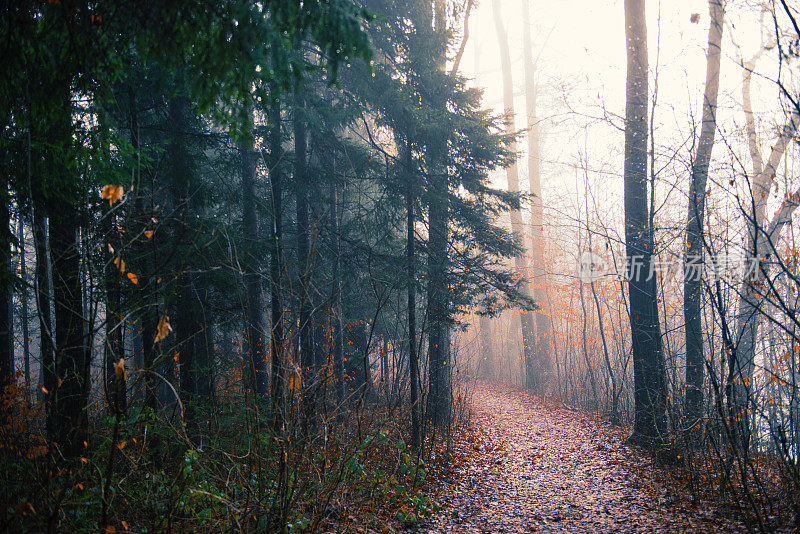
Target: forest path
(535, 467)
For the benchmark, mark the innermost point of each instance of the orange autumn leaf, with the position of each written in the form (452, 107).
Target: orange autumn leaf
(121, 445)
(133, 278)
(148, 234)
(295, 381)
(119, 368)
(112, 193)
(110, 529)
(163, 329)
(120, 263)
(125, 525)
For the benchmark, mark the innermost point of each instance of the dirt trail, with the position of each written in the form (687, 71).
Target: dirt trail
(538, 468)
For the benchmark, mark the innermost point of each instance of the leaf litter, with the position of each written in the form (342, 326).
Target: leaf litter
(524, 465)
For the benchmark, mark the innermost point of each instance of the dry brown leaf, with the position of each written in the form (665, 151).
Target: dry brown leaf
(163, 329)
(295, 381)
(119, 368)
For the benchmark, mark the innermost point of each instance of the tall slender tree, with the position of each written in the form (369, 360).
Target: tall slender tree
(413, 358)
(304, 267)
(43, 291)
(256, 342)
(537, 272)
(6, 293)
(692, 285)
(512, 175)
(276, 260)
(649, 379)
(439, 394)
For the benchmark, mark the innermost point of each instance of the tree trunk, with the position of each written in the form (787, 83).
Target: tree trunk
(7, 296)
(538, 273)
(47, 368)
(486, 357)
(692, 285)
(114, 348)
(303, 258)
(204, 343)
(186, 327)
(439, 366)
(412, 302)
(23, 273)
(72, 366)
(69, 422)
(189, 316)
(147, 294)
(650, 423)
(759, 246)
(276, 264)
(512, 175)
(256, 361)
(338, 338)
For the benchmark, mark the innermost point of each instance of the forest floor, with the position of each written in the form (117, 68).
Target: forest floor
(526, 465)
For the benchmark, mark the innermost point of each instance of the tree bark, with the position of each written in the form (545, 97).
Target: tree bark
(416, 433)
(23, 274)
(275, 264)
(486, 357)
(692, 285)
(538, 273)
(338, 338)
(303, 258)
(146, 250)
(759, 246)
(72, 365)
(650, 423)
(114, 348)
(205, 349)
(439, 367)
(257, 360)
(47, 369)
(512, 175)
(7, 296)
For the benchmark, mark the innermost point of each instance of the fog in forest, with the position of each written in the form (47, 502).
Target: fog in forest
(400, 266)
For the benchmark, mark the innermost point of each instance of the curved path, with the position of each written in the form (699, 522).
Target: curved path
(531, 467)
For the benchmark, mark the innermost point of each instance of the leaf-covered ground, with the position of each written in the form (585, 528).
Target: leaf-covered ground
(528, 466)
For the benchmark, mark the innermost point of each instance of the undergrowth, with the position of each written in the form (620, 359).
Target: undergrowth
(227, 472)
